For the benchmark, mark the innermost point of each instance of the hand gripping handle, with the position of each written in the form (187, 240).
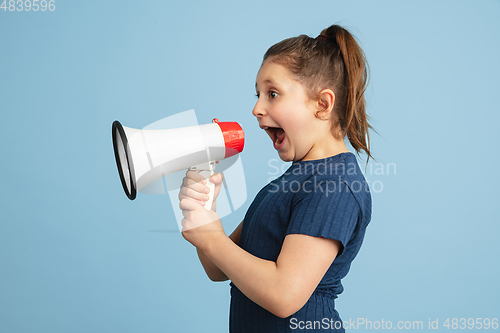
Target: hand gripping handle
(207, 170)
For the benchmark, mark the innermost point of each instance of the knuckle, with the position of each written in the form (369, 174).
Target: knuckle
(191, 193)
(182, 203)
(192, 174)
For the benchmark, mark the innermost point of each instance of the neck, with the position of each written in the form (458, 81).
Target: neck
(326, 148)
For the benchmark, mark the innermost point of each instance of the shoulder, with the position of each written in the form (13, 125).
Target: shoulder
(327, 174)
(336, 179)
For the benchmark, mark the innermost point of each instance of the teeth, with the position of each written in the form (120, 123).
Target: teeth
(265, 128)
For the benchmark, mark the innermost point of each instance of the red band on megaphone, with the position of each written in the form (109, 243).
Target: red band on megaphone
(234, 137)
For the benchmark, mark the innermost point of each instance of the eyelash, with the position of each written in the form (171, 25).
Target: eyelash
(270, 92)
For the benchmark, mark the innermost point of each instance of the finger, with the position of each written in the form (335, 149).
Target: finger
(190, 193)
(186, 225)
(195, 176)
(196, 186)
(188, 204)
(187, 213)
(217, 178)
(187, 192)
(202, 202)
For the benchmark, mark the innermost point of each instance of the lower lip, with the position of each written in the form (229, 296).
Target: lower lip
(278, 147)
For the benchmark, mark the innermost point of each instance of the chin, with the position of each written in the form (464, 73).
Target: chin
(286, 158)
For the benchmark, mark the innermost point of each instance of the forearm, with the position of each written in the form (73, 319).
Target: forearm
(213, 272)
(281, 287)
(257, 278)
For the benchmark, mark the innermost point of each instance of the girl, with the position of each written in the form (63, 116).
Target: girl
(287, 257)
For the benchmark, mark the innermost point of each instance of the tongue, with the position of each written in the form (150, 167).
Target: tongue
(280, 135)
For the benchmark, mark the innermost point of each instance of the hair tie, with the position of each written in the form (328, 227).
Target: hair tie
(322, 37)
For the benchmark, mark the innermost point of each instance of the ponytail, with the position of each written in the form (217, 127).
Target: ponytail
(354, 122)
(332, 60)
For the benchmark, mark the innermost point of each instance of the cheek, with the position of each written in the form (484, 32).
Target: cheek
(302, 134)
(298, 134)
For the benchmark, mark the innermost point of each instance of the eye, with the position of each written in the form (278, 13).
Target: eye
(257, 95)
(273, 94)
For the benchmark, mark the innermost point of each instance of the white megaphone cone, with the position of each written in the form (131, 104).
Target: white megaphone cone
(143, 156)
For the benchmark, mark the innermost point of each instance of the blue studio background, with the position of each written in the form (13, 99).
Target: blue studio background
(77, 256)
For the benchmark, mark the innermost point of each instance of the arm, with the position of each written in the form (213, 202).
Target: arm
(281, 287)
(193, 188)
(213, 272)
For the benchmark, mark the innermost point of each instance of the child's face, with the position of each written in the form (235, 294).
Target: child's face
(286, 113)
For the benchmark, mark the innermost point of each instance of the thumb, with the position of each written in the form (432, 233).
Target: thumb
(217, 178)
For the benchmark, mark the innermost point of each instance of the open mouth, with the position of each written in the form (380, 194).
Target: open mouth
(277, 135)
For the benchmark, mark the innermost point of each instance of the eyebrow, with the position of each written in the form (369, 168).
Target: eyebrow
(265, 81)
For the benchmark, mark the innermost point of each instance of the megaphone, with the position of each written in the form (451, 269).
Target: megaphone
(143, 156)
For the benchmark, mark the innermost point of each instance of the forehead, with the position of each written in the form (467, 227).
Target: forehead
(273, 73)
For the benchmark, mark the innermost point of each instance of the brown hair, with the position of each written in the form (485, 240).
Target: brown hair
(333, 60)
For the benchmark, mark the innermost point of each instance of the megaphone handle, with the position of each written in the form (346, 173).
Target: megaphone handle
(207, 174)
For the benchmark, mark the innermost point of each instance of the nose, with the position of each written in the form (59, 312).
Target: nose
(258, 109)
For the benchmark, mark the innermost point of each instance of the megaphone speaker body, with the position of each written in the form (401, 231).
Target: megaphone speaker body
(143, 156)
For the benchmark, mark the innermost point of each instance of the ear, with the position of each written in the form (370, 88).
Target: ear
(325, 105)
